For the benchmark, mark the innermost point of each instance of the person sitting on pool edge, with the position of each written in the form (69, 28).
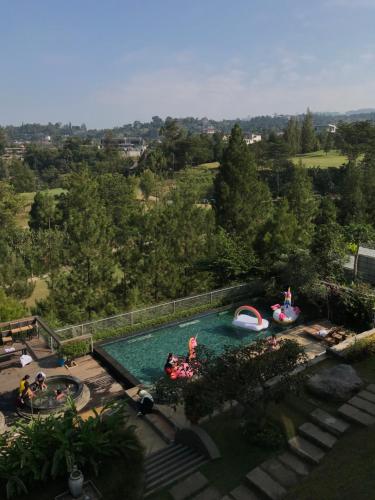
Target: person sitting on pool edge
(145, 403)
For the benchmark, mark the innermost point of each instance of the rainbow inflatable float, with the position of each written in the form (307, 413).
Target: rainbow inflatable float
(285, 314)
(249, 322)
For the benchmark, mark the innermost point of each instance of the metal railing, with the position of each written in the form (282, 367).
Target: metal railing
(139, 316)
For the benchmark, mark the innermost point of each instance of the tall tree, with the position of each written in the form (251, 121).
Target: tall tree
(42, 211)
(242, 200)
(352, 201)
(303, 203)
(84, 289)
(308, 139)
(292, 136)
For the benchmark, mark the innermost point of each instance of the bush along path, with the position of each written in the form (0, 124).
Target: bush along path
(275, 476)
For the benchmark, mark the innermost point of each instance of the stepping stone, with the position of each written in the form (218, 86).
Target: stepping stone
(189, 486)
(209, 493)
(278, 471)
(371, 388)
(268, 486)
(370, 396)
(329, 422)
(358, 416)
(362, 404)
(242, 493)
(305, 449)
(294, 463)
(319, 437)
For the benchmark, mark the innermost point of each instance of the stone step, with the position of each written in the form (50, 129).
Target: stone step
(278, 471)
(163, 454)
(355, 415)
(370, 396)
(209, 493)
(172, 474)
(175, 461)
(316, 435)
(362, 404)
(371, 388)
(294, 463)
(306, 450)
(189, 486)
(264, 483)
(242, 492)
(329, 422)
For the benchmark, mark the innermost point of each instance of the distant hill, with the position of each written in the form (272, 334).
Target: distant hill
(35, 132)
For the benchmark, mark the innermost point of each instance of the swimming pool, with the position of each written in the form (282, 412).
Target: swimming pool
(144, 355)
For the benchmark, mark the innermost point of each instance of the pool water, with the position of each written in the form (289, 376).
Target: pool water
(144, 355)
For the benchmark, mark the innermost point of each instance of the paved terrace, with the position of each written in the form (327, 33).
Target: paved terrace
(103, 387)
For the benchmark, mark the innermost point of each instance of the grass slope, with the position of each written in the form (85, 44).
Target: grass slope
(320, 159)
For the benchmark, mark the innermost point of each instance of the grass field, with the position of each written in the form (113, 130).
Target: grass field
(40, 292)
(321, 159)
(27, 200)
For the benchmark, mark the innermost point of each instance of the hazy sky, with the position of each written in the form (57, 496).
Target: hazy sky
(111, 62)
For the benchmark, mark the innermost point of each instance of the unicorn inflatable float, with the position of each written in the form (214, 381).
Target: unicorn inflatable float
(286, 314)
(256, 323)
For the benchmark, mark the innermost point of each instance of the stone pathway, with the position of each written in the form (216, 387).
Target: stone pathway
(275, 476)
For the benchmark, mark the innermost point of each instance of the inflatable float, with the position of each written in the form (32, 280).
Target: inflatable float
(285, 314)
(249, 322)
(180, 367)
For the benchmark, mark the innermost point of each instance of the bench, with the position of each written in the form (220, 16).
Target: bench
(18, 348)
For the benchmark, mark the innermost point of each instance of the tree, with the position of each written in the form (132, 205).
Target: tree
(242, 201)
(353, 139)
(352, 201)
(42, 211)
(85, 288)
(308, 139)
(329, 245)
(328, 142)
(147, 183)
(10, 308)
(303, 203)
(292, 136)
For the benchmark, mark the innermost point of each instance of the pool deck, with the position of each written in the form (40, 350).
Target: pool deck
(103, 388)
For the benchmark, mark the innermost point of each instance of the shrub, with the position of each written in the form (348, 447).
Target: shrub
(47, 448)
(75, 349)
(360, 350)
(268, 435)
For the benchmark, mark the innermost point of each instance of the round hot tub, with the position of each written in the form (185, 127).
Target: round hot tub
(55, 397)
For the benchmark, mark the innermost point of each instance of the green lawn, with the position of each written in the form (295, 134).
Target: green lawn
(27, 200)
(321, 159)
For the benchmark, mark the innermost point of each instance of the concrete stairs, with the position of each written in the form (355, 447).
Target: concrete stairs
(169, 465)
(272, 479)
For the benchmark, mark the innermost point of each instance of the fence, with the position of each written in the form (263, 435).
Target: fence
(224, 295)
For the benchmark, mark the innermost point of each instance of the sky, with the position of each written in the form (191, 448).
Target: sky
(106, 63)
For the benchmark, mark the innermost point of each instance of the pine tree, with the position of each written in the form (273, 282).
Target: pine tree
(85, 288)
(42, 211)
(292, 136)
(302, 203)
(308, 139)
(352, 201)
(242, 201)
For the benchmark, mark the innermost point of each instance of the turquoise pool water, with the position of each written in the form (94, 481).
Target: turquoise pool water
(144, 356)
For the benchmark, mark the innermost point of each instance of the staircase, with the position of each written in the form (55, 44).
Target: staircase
(170, 464)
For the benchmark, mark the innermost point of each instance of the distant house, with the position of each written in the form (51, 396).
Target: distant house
(330, 128)
(208, 130)
(14, 152)
(252, 138)
(248, 138)
(130, 147)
